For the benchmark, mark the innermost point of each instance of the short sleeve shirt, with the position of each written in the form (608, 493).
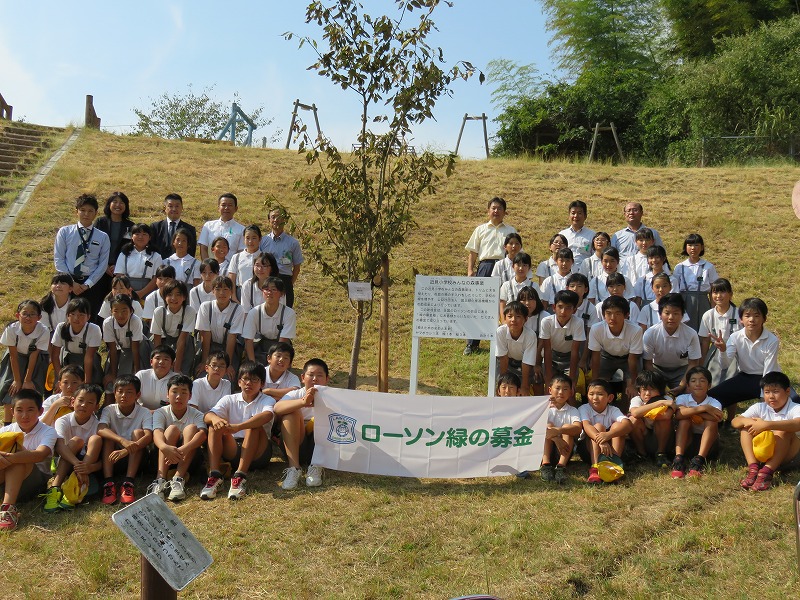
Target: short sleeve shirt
(38, 339)
(125, 425)
(259, 324)
(204, 397)
(94, 338)
(122, 335)
(211, 318)
(164, 417)
(629, 340)
(523, 348)
(566, 415)
(67, 427)
(138, 265)
(487, 240)
(671, 350)
(230, 230)
(607, 418)
(154, 390)
(234, 409)
(40, 435)
(167, 323)
(562, 337)
(763, 411)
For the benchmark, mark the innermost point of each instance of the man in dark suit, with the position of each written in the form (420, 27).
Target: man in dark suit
(165, 229)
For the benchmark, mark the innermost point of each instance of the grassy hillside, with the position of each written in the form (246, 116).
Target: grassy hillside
(380, 537)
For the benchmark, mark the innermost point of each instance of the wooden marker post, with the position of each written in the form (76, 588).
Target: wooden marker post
(154, 586)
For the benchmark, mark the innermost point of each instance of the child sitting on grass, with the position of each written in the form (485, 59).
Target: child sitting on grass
(238, 430)
(780, 416)
(563, 426)
(153, 381)
(126, 428)
(178, 432)
(23, 474)
(700, 413)
(60, 404)
(296, 416)
(78, 445)
(604, 425)
(651, 410)
(206, 391)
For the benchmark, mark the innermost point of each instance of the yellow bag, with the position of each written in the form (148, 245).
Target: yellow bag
(764, 445)
(310, 426)
(11, 441)
(73, 491)
(609, 471)
(697, 419)
(654, 412)
(50, 378)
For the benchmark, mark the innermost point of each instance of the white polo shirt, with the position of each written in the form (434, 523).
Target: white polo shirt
(671, 350)
(204, 397)
(234, 409)
(154, 390)
(14, 336)
(40, 435)
(629, 340)
(269, 324)
(122, 335)
(125, 425)
(566, 415)
(607, 418)
(211, 318)
(523, 348)
(763, 411)
(562, 337)
(724, 325)
(580, 242)
(754, 358)
(167, 323)
(164, 417)
(67, 427)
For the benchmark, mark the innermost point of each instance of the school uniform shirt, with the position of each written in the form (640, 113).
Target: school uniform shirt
(552, 285)
(566, 415)
(167, 323)
(204, 397)
(547, 268)
(629, 340)
(504, 269)
(592, 266)
(649, 316)
(187, 268)
(306, 411)
(211, 318)
(197, 295)
(153, 300)
(105, 309)
(607, 418)
(510, 289)
(40, 435)
(724, 325)
(164, 417)
(67, 427)
(634, 267)
(671, 350)
(643, 288)
(763, 411)
(252, 295)
(269, 325)
(487, 241)
(599, 292)
(54, 317)
(694, 277)
(97, 247)
(48, 402)
(285, 249)
(534, 322)
(287, 379)
(580, 242)
(154, 390)
(523, 348)
(230, 230)
(125, 425)
(688, 401)
(224, 266)
(633, 313)
(562, 337)
(94, 337)
(587, 313)
(234, 409)
(38, 338)
(138, 265)
(754, 358)
(624, 240)
(113, 332)
(242, 265)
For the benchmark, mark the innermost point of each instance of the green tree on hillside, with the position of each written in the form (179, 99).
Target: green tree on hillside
(364, 201)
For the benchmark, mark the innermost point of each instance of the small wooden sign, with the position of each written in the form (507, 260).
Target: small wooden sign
(163, 540)
(796, 199)
(359, 290)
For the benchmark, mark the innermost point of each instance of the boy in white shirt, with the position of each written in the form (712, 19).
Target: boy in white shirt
(522, 272)
(219, 322)
(78, 445)
(296, 416)
(279, 380)
(779, 415)
(23, 474)
(557, 281)
(604, 425)
(206, 391)
(700, 413)
(164, 274)
(652, 410)
(69, 380)
(562, 335)
(563, 427)
(238, 430)
(178, 432)
(516, 346)
(155, 379)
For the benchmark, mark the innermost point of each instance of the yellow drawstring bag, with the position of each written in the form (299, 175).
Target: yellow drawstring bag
(764, 445)
(11, 441)
(654, 412)
(609, 468)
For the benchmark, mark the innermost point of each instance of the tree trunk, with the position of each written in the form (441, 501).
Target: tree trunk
(383, 367)
(351, 380)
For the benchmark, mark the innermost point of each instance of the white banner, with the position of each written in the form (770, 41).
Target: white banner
(428, 436)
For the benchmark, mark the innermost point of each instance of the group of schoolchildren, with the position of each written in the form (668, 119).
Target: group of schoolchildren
(216, 335)
(659, 357)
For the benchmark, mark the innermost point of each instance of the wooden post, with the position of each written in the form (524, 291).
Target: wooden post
(91, 120)
(291, 125)
(153, 585)
(594, 141)
(383, 367)
(616, 139)
(316, 120)
(797, 520)
(461, 131)
(485, 134)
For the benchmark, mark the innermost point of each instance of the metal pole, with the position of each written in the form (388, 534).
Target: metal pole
(153, 585)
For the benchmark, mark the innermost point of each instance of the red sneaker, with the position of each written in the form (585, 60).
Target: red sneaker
(127, 494)
(594, 476)
(752, 475)
(9, 517)
(763, 481)
(109, 493)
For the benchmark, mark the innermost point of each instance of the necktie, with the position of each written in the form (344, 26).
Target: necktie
(171, 232)
(80, 254)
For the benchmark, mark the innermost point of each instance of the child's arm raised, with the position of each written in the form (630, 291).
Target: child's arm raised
(284, 407)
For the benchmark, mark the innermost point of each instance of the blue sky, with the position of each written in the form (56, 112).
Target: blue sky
(123, 53)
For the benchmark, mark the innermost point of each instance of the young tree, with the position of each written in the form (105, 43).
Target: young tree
(364, 201)
(179, 116)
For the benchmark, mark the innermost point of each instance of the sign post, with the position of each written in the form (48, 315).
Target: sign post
(797, 520)
(171, 556)
(458, 308)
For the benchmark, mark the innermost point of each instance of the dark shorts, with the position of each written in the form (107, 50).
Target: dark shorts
(34, 484)
(259, 462)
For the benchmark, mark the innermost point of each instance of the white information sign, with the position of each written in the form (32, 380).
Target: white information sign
(456, 307)
(359, 290)
(164, 540)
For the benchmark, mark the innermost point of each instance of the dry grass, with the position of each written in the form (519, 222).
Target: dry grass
(376, 537)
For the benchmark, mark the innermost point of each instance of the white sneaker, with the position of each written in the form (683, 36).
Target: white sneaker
(314, 476)
(159, 487)
(291, 477)
(176, 491)
(237, 490)
(209, 492)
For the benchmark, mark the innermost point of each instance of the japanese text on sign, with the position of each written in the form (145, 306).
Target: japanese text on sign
(456, 307)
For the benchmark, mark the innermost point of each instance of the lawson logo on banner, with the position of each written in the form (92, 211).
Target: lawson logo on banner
(428, 436)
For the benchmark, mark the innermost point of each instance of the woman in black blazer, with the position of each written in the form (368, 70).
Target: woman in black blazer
(117, 225)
